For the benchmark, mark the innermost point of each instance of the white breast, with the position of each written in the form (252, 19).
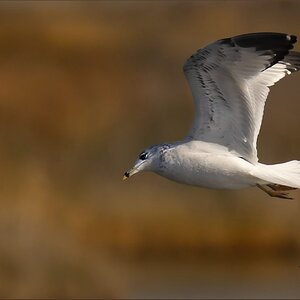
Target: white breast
(212, 169)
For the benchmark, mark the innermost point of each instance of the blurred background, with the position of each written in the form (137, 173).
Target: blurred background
(84, 88)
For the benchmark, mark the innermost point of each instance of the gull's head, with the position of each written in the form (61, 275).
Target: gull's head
(148, 160)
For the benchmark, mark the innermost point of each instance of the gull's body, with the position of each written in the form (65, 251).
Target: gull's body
(207, 165)
(230, 82)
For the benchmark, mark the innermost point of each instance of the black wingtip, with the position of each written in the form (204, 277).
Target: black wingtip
(265, 40)
(278, 44)
(292, 38)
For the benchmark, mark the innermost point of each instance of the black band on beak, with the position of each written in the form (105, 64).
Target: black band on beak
(126, 174)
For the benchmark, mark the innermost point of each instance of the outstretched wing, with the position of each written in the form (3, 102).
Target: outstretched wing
(230, 82)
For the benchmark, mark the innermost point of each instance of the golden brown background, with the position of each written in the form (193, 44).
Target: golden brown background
(84, 87)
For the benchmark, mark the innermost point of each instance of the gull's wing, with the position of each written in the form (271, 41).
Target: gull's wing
(230, 82)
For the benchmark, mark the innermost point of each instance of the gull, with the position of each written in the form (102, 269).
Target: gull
(230, 81)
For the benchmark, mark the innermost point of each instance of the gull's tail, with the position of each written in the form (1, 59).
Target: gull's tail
(286, 174)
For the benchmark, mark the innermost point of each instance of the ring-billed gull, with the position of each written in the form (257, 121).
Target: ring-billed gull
(230, 82)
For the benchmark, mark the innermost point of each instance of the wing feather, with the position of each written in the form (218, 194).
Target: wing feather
(230, 80)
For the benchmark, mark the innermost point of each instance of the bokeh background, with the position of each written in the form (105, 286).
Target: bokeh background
(84, 87)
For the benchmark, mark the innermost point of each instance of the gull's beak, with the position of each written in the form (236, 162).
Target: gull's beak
(126, 175)
(131, 172)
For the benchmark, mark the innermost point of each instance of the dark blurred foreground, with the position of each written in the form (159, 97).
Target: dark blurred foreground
(84, 88)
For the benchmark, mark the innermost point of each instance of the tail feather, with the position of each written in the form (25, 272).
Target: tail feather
(287, 174)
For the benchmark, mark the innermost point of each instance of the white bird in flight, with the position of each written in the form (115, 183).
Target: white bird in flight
(230, 81)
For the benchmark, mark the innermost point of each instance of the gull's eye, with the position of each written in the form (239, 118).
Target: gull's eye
(143, 156)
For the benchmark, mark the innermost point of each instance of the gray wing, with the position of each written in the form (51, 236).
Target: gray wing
(230, 82)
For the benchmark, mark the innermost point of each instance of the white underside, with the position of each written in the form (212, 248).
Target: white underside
(213, 166)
